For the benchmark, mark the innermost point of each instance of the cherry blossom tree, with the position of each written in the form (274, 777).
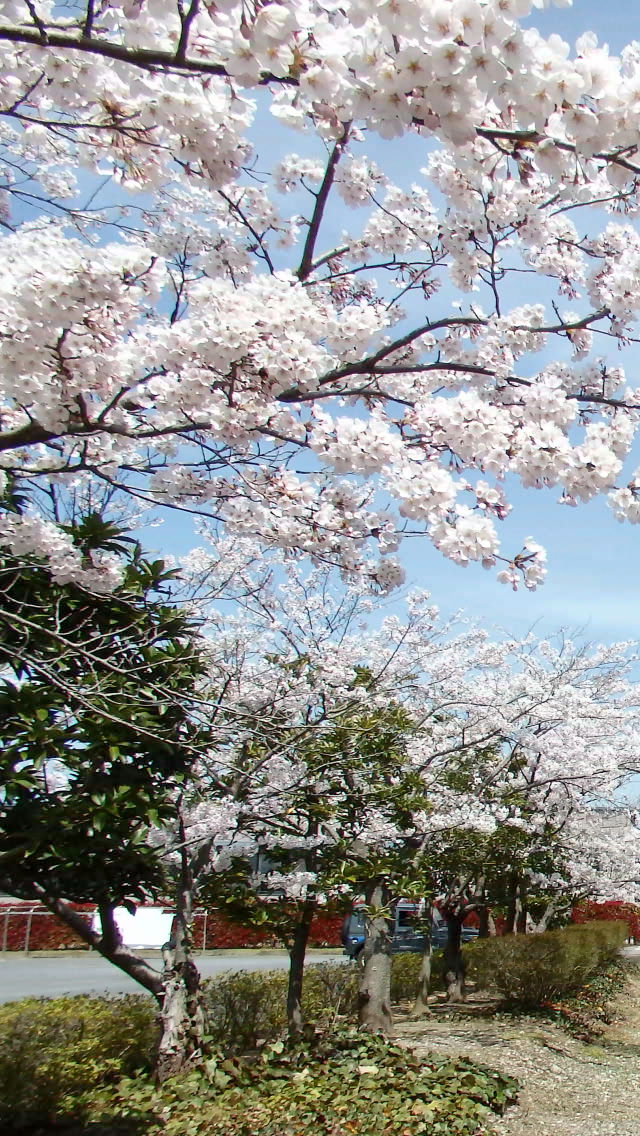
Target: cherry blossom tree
(173, 330)
(341, 750)
(485, 738)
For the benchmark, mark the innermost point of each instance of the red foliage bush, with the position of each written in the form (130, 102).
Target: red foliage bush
(613, 909)
(325, 931)
(30, 926)
(222, 933)
(21, 921)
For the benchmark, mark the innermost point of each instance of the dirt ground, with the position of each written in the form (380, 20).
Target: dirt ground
(569, 1088)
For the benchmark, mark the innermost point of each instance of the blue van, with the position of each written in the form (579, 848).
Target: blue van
(405, 938)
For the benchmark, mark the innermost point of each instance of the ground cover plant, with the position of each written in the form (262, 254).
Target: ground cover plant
(71, 1061)
(314, 1086)
(88, 1061)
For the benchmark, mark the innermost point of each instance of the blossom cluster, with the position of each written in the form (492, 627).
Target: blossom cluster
(206, 338)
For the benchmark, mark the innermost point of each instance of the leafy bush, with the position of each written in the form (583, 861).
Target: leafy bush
(31, 926)
(533, 969)
(330, 990)
(585, 1012)
(405, 970)
(612, 909)
(405, 973)
(247, 1007)
(339, 1082)
(53, 1050)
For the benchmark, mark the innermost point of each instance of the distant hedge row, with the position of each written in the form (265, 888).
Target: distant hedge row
(32, 927)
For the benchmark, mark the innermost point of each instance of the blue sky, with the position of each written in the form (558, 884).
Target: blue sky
(593, 582)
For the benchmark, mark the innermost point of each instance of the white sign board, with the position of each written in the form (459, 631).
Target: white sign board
(149, 927)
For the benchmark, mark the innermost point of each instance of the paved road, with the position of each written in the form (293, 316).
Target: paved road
(45, 976)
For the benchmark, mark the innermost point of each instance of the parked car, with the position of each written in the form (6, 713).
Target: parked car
(405, 937)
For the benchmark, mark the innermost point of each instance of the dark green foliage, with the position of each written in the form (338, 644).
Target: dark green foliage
(54, 1051)
(531, 970)
(340, 1082)
(93, 722)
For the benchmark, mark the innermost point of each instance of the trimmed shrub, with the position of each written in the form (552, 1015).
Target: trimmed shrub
(531, 970)
(25, 925)
(53, 1050)
(405, 972)
(330, 991)
(247, 1007)
(31, 926)
(404, 976)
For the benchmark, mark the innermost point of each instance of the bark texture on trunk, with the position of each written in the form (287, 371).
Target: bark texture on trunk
(542, 924)
(182, 1016)
(182, 1019)
(374, 998)
(421, 1005)
(486, 924)
(295, 1020)
(453, 968)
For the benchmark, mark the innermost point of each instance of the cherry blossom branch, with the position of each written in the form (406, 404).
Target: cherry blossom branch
(307, 263)
(147, 59)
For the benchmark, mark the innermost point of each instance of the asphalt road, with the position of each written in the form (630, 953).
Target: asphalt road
(50, 976)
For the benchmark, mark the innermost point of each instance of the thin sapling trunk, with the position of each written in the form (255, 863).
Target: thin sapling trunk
(295, 1020)
(421, 1006)
(182, 1015)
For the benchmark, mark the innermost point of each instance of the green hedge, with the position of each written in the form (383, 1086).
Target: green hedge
(53, 1050)
(247, 1007)
(530, 970)
(405, 973)
(86, 1061)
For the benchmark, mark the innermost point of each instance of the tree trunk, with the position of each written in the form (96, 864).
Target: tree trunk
(182, 1016)
(176, 988)
(453, 968)
(374, 998)
(486, 924)
(421, 1005)
(543, 923)
(296, 969)
(514, 907)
